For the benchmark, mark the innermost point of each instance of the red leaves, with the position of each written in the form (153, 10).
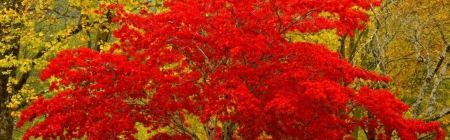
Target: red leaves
(387, 110)
(53, 86)
(224, 60)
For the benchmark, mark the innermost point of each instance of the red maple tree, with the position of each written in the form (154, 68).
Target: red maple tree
(228, 63)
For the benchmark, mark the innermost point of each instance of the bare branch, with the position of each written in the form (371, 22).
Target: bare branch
(177, 121)
(430, 75)
(443, 113)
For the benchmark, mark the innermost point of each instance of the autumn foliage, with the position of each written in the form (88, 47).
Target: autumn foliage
(228, 63)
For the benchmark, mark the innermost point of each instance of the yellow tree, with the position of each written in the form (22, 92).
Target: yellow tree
(408, 41)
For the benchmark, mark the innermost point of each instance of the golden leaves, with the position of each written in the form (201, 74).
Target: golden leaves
(26, 94)
(328, 37)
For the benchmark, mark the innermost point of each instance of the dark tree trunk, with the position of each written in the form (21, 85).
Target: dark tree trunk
(228, 129)
(6, 120)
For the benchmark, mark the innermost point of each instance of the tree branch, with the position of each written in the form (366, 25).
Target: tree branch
(443, 113)
(416, 106)
(176, 120)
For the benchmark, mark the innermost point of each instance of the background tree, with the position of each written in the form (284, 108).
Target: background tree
(227, 63)
(33, 32)
(406, 41)
(16, 63)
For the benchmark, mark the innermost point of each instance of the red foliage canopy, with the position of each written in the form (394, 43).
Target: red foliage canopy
(227, 62)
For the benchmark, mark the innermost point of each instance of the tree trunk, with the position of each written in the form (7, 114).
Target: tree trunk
(6, 120)
(228, 129)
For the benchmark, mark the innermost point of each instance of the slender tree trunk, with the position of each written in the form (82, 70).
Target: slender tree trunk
(342, 46)
(6, 120)
(228, 129)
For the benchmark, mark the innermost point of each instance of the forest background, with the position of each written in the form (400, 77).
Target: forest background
(407, 40)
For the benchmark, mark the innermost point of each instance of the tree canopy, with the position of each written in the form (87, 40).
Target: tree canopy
(229, 64)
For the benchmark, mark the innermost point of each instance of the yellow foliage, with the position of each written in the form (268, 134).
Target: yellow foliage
(328, 37)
